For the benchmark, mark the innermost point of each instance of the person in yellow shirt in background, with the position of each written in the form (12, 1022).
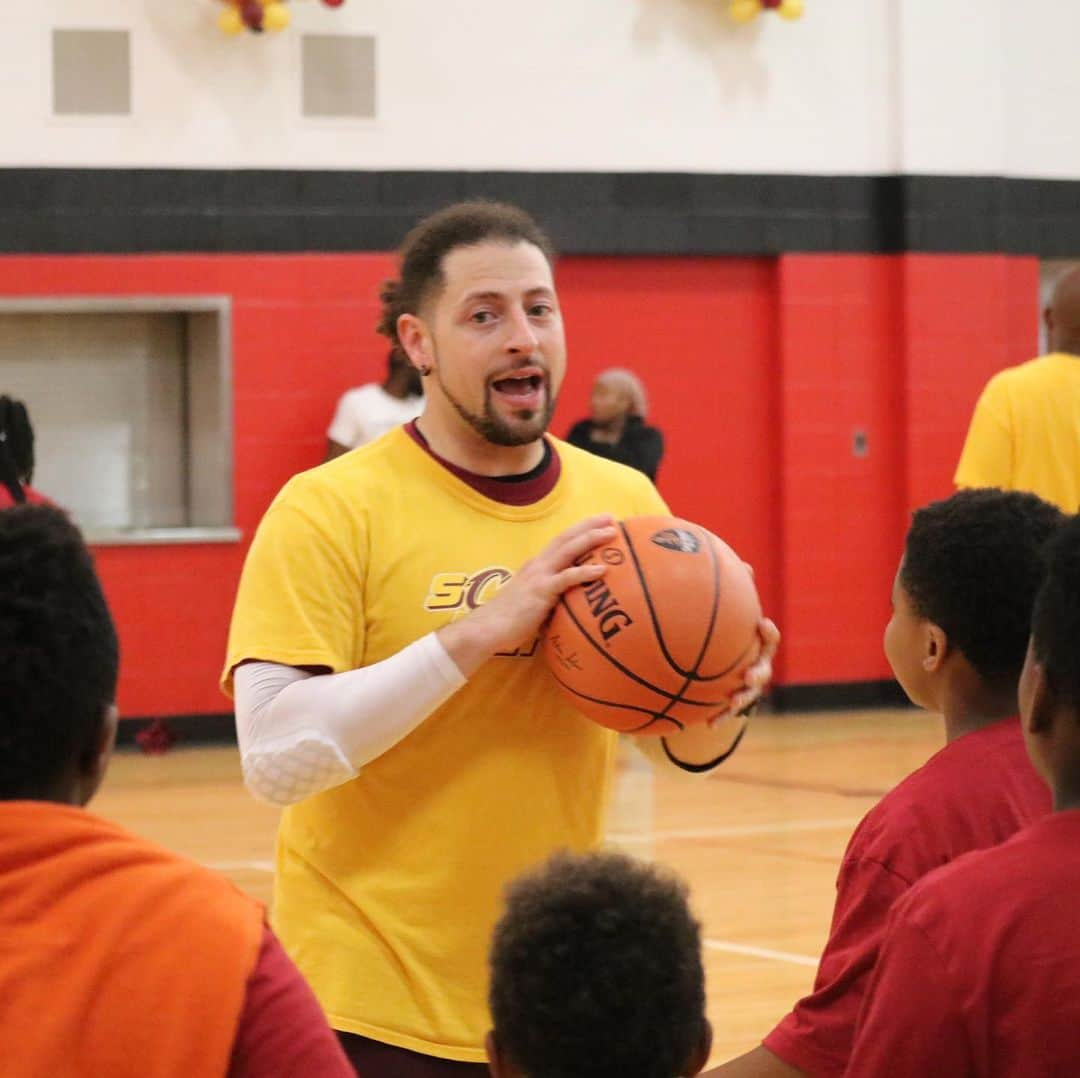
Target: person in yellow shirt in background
(1025, 432)
(384, 656)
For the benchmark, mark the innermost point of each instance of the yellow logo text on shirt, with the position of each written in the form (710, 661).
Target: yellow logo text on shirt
(462, 592)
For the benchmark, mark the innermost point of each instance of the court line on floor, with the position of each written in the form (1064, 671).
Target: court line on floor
(745, 831)
(760, 952)
(795, 784)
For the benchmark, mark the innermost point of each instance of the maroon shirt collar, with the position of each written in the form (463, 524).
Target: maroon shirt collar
(522, 489)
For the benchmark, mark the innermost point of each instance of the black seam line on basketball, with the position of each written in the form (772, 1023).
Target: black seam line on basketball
(667, 695)
(690, 676)
(653, 715)
(742, 655)
(691, 673)
(697, 769)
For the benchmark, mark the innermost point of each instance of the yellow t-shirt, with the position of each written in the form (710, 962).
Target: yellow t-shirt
(388, 886)
(1025, 432)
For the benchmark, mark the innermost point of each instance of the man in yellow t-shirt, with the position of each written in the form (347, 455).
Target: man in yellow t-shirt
(1025, 432)
(384, 656)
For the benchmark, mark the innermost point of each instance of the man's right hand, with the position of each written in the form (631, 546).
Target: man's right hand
(516, 612)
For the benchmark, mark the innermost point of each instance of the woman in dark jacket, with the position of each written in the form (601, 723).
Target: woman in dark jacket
(617, 428)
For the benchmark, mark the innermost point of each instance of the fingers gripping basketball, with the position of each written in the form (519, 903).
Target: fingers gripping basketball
(663, 639)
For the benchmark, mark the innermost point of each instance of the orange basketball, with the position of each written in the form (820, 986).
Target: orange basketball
(662, 640)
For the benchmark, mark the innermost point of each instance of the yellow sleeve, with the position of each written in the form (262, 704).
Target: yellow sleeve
(652, 504)
(987, 457)
(300, 600)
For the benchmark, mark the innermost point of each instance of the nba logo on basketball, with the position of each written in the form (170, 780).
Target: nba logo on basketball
(677, 539)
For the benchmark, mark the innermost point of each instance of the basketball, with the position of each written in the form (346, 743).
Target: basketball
(662, 640)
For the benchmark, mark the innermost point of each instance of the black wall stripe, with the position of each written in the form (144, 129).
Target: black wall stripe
(103, 211)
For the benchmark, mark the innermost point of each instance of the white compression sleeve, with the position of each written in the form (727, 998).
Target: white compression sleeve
(300, 733)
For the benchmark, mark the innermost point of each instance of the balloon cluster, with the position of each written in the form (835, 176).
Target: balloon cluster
(748, 10)
(259, 15)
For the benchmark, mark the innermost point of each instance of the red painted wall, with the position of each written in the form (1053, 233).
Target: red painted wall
(759, 373)
(965, 317)
(841, 372)
(898, 347)
(301, 335)
(702, 333)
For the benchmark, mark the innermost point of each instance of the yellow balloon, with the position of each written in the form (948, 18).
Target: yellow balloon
(275, 16)
(791, 9)
(744, 10)
(229, 21)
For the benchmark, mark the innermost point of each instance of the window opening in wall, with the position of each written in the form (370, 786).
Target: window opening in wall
(131, 408)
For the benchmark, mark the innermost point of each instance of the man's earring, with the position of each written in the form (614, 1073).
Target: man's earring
(424, 371)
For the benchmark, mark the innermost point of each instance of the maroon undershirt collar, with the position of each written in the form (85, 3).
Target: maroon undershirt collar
(524, 489)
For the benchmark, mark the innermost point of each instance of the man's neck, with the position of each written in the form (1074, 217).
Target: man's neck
(460, 445)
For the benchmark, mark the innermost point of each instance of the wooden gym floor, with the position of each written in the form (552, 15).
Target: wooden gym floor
(759, 841)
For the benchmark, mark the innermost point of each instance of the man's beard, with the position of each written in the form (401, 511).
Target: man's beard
(493, 428)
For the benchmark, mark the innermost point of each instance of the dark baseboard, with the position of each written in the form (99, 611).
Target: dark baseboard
(837, 696)
(216, 729)
(220, 729)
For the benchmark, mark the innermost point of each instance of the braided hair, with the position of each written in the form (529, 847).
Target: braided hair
(16, 447)
(58, 652)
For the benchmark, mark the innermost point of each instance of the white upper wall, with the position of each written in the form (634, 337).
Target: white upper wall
(858, 86)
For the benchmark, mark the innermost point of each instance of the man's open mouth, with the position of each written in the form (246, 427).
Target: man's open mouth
(517, 385)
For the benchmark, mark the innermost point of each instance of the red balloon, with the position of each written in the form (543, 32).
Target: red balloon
(333, 3)
(252, 13)
(771, 3)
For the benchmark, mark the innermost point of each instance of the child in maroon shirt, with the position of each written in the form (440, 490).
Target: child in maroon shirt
(962, 604)
(979, 971)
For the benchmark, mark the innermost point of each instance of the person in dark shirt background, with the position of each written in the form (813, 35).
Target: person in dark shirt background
(617, 428)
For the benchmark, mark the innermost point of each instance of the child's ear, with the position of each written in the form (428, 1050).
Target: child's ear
(701, 1056)
(1040, 716)
(935, 647)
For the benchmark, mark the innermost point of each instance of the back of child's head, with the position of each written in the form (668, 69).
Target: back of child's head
(972, 566)
(596, 972)
(1055, 631)
(58, 651)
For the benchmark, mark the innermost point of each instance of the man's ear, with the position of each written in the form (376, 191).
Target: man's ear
(935, 647)
(416, 342)
(701, 1055)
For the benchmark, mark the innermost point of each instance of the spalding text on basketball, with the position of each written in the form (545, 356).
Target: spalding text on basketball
(610, 617)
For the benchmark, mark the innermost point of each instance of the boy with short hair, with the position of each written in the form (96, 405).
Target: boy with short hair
(117, 957)
(962, 603)
(980, 968)
(596, 973)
